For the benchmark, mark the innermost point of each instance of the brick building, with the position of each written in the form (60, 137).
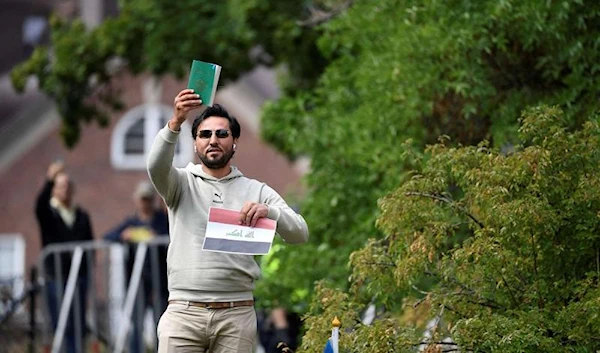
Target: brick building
(107, 163)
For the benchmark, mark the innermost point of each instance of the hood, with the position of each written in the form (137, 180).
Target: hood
(196, 169)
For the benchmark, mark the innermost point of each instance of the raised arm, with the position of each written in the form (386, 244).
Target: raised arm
(42, 204)
(160, 159)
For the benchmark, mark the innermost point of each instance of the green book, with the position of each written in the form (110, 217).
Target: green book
(204, 78)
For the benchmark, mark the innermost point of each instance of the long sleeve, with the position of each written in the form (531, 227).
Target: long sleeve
(42, 204)
(290, 226)
(115, 233)
(43, 212)
(160, 166)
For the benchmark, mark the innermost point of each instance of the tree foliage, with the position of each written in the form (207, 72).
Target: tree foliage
(508, 242)
(162, 37)
(365, 91)
(402, 73)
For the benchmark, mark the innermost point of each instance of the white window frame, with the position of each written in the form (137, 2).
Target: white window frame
(151, 113)
(16, 243)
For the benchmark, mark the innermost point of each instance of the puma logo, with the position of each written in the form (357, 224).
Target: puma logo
(219, 197)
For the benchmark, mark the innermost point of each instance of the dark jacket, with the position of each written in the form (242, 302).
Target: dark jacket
(54, 230)
(160, 226)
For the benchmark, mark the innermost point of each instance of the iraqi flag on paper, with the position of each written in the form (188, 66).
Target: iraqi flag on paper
(225, 234)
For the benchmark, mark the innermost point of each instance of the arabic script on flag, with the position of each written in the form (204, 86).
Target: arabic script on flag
(225, 234)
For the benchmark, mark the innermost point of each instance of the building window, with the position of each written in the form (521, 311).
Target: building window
(12, 265)
(134, 133)
(134, 138)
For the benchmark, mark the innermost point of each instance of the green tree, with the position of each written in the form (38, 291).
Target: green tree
(362, 78)
(162, 37)
(508, 242)
(414, 70)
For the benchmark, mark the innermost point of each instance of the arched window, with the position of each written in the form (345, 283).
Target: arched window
(134, 133)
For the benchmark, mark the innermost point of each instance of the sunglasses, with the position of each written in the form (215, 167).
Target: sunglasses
(206, 134)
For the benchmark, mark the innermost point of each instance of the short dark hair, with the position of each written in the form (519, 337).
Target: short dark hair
(218, 111)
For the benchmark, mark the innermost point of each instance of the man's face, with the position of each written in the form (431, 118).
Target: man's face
(144, 204)
(214, 151)
(63, 189)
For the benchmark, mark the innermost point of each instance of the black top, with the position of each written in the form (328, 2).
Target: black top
(54, 230)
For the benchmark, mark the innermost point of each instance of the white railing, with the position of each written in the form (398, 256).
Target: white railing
(88, 253)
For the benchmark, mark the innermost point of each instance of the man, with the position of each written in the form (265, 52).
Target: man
(60, 221)
(147, 222)
(210, 293)
(276, 328)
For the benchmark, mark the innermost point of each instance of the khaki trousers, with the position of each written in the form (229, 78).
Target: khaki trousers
(190, 329)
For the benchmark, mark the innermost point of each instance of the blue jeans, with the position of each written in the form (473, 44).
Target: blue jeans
(75, 329)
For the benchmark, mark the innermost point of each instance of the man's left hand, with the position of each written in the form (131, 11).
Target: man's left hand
(251, 212)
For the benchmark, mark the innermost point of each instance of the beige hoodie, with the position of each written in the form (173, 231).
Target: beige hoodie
(195, 274)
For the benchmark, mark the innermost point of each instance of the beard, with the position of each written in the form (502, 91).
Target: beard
(216, 163)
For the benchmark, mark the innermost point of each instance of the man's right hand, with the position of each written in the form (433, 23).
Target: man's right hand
(54, 169)
(126, 234)
(184, 102)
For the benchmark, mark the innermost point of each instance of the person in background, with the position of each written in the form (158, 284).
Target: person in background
(144, 224)
(278, 329)
(61, 221)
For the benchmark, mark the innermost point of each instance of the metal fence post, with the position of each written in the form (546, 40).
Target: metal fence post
(32, 308)
(134, 282)
(67, 301)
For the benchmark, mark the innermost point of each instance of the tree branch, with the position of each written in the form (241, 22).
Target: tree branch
(451, 346)
(598, 263)
(319, 16)
(418, 302)
(378, 263)
(468, 292)
(439, 342)
(510, 291)
(419, 290)
(488, 303)
(447, 200)
(535, 271)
